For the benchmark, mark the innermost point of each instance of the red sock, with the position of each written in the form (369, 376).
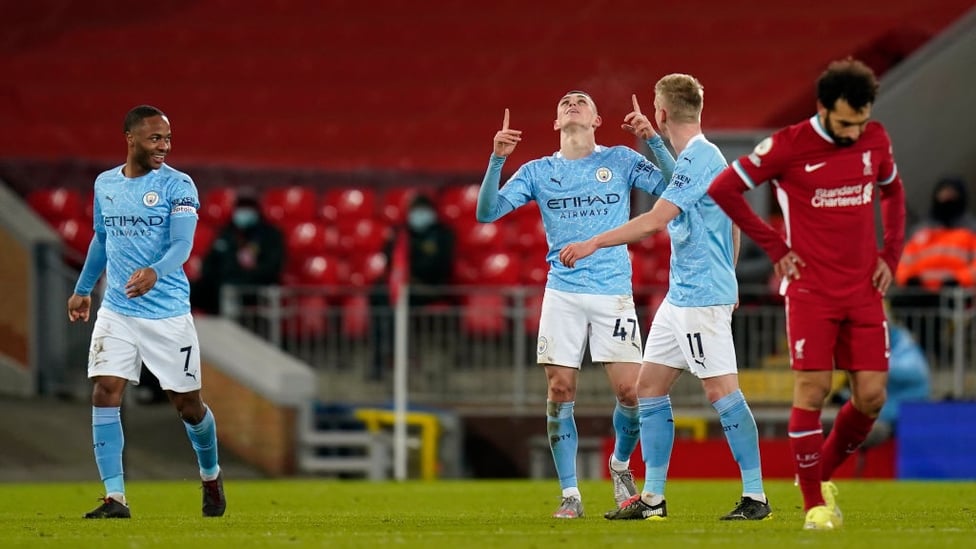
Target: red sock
(806, 442)
(850, 429)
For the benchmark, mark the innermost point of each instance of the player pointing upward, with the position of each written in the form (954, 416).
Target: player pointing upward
(582, 189)
(692, 330)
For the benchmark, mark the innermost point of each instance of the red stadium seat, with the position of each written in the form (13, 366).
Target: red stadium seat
(481, 239)
(203, 238)
(483, 315)
(534, 270)
(654, 269)
(457, 205)
(76, 233)
(288, 206)
(533, 312)
(217, 206)
(306, 317)
(658, 244)
(355, 316)
(499, 269)
(393, 206)
(56, 205)
(88, 204)
(650, 282)
(347, 206)
(311, 238)
(464, 271)
(531, 234)
(193, 267)
(364, 271)
(364, 237)
(320, 270)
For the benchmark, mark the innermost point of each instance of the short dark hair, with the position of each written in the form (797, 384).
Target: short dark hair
(421, 199)
(135, 116)
(849, 79)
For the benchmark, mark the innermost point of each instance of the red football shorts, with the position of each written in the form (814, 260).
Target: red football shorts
(850, 335)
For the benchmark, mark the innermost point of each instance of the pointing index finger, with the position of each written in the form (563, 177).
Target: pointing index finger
(633, 98)
(505, 121)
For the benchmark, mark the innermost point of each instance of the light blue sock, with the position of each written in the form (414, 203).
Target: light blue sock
(108, 442)
(743, 437)
(563, 440)
(626, 426)
(203, 437)
(657, 440)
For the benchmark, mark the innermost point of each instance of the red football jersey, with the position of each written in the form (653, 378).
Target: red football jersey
(827, 195)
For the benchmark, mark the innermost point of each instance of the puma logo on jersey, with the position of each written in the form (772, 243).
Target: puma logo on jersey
(814, 167)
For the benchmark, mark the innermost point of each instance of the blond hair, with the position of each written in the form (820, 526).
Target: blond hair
(682, 96)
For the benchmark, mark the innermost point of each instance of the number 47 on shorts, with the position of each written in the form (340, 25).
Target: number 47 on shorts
(619, 330)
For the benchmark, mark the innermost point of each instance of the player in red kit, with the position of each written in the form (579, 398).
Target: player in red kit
(826, 171)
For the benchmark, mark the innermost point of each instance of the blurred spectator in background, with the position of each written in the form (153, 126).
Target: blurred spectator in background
(940, 253)
(942, 250)
(249, 251)
(430, 260)
(431, 251)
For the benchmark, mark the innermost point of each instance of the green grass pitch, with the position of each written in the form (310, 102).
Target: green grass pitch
(508, 514)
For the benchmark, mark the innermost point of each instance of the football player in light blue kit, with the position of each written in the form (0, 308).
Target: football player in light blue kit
(145, 216)
(692, 330)
(582, 189)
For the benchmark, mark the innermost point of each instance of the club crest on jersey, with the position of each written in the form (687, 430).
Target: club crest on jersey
(867, 195)
(603, 175)
(866, 159)
(762, 148)
(543, 346)
(150, 199)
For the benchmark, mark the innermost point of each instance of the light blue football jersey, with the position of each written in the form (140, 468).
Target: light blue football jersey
(134, 214)
(702, 269)
(580, 199)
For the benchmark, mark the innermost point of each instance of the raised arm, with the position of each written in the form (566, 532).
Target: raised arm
(637, 124)
(490, 207)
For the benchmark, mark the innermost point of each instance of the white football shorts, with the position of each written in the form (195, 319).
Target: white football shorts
(568, 320)
(169, 347)
(697, 339)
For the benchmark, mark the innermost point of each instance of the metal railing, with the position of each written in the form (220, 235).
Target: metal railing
(476, 345)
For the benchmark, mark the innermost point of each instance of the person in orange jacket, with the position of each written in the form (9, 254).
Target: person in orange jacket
(942, 251)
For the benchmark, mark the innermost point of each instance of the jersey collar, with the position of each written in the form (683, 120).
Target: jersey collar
(818, 127)
(596, 149)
